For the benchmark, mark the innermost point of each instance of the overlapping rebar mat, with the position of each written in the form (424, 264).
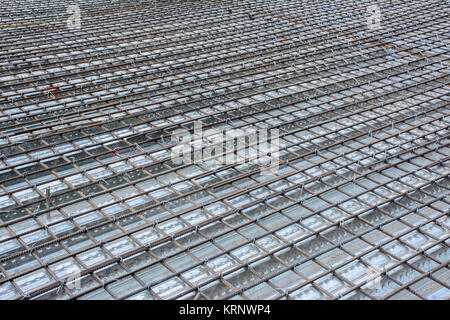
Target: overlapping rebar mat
(92, 206)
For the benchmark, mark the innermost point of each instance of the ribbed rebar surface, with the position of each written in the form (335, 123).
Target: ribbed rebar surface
(92, 206)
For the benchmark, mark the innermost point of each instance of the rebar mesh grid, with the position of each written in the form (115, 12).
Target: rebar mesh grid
(86, 176)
